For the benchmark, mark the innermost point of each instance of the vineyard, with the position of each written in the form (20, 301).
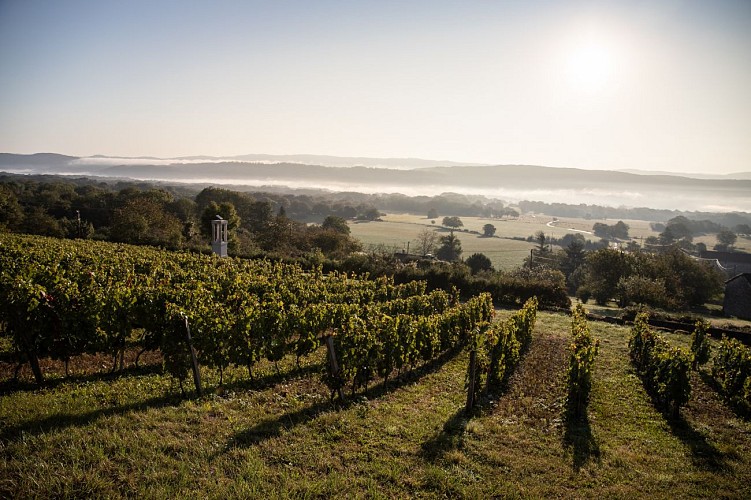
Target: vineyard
(62, 299)
(320, 384)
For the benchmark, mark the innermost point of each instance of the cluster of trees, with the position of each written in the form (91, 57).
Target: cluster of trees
(178, 217)
(668, 279)
(727, 220)
(681, 231)
(619, 230)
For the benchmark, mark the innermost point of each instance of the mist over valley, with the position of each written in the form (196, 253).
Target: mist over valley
(413, 177)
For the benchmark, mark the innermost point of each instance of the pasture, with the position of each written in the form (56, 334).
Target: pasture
(506, 253)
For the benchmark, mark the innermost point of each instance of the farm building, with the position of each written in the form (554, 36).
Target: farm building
(738, 296)
(734, 263)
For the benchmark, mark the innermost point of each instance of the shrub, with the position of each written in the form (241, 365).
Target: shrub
(584, 349)
(664, 370)
(700, 348)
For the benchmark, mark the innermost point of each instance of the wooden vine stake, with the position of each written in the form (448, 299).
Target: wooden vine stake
(194, 360)
(333, 365)
(471, 388)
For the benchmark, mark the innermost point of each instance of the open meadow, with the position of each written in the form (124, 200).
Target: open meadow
(505, 252)
(278, 436)
(394, 231)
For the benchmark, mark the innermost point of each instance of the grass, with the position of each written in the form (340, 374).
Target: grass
(279, 436)
(504, 252)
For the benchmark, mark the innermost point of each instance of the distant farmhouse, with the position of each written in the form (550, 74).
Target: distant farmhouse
(734, 263)
(738, 296)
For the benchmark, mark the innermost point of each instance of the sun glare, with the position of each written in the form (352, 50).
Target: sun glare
(590, 66)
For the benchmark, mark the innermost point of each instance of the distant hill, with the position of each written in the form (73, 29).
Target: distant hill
(34, 160)
(508, 182)
(735, 175)
(335, 161)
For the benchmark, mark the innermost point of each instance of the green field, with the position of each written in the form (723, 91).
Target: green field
(278, 436)
(396, 230)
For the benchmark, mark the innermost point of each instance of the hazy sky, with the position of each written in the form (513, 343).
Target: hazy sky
(660, 85)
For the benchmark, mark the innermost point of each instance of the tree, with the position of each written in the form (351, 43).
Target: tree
(540, 239)
(488, 230)
(573, 257)
(680, 229)
(726, 238)
(260, 217)
(452, 222)
(743, 229)
(604, 269)
(226, 210)
(11, 213)
(370, 214)
(667, 237)
(426, 241)
(432, 213)
(38, 221)
(336, 223)
(620, 230)
(601, 230)
(508, 211)
(145, 221)
(478, 262)
(332, 243)
(450, 249)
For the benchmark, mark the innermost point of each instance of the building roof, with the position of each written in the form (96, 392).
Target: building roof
(746, 276)
(735, 257)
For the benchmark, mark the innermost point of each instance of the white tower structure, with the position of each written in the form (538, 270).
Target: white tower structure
(219, 236)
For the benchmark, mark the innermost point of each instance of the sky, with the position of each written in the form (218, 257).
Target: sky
(650, 85)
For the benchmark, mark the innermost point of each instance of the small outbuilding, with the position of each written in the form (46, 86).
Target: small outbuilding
(738, 296)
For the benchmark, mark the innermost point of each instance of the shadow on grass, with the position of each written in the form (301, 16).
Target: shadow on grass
(272, 379)
(271, 428)
(450, 438)
(578, 438)
(64, 420)
(12, 385)
(738, 410)
(704, 454)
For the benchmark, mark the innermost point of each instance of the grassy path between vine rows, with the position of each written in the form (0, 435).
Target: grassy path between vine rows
(278, 436)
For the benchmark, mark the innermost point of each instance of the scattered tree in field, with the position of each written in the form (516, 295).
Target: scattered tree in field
(426, 241)
(510, 212)
(336, 223)
(452, 222)
(432, 213)
(479, 262)
(540, 239)
(370, 214)
(450, 249)
(726, 239)
(619, 230)
(488, 230)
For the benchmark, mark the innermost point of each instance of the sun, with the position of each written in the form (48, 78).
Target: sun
(590, 66)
